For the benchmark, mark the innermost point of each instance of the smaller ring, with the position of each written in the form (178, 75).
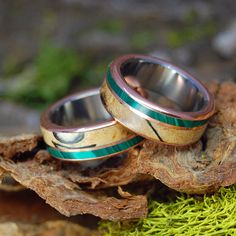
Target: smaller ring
(157, 100)
(78, 128)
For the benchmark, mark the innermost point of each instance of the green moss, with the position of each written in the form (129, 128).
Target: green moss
(11, 66)
(48, 78)
(111, 26)
(191, 16)
(141, 40)
(187, 215)
(94, 76)
(191, 33)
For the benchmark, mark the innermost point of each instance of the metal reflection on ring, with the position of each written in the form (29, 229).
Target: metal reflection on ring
(78, 128)
(172, 108)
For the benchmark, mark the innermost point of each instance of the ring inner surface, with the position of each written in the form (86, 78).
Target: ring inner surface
(163, 86)
(82, 111)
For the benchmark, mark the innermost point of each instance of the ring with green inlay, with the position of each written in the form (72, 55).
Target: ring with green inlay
(78, 128)
(157, 100)
(117, 148)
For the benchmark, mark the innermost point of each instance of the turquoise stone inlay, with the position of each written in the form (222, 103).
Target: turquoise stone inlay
(145, 110)
(95, 153)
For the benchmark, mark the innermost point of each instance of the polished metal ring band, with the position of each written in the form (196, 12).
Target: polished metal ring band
(156, 99)
(78, 128)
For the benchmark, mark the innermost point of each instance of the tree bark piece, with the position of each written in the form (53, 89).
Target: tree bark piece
(205, 166)
(108, 174)
(9, 147)
(68, 198)
(201, 168)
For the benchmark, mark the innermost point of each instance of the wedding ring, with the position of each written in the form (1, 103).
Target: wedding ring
(157, 100)
(78, 128)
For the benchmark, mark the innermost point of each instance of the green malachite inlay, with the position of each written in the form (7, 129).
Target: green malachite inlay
(95, 153)
(153, 114)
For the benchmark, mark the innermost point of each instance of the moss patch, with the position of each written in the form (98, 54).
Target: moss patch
(112, 26)
(191, 29)
(187, 215)
(143, 39)
(188, 34)
(47, 78)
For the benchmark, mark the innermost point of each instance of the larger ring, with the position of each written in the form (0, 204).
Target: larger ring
(157, 100)
(78, 128)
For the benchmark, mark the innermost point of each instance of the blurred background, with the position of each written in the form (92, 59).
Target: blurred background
(49, 49)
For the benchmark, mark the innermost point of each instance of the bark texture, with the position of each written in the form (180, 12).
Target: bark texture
(74, 189)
